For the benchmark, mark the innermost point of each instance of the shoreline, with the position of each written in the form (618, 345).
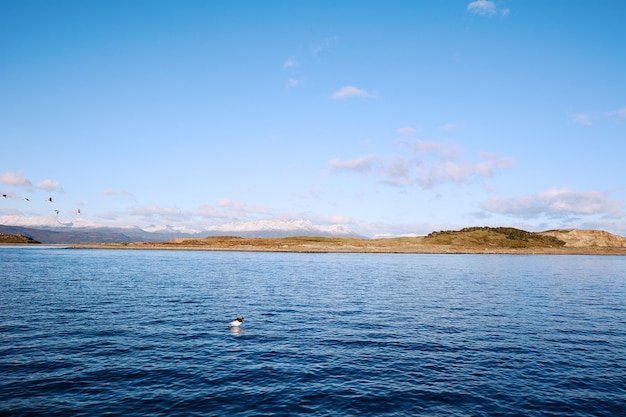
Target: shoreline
(425, 249)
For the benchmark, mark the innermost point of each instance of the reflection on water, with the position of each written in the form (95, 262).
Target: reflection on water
(237, 331)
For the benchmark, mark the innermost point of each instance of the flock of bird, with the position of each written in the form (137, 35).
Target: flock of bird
(49, 200)
(235, 323)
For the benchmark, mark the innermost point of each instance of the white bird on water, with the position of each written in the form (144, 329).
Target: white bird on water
(237, 322)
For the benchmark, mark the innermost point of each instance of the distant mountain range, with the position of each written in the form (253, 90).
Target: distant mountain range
(266, 229)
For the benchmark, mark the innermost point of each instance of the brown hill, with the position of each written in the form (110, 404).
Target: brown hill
(15, 239)
(493, 237)
(469, 240)
(587, 238)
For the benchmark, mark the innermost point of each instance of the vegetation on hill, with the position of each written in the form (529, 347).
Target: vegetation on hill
(504, 240)
(506, 237)
(16, 238)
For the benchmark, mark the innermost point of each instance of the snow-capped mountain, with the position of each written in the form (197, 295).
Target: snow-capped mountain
(280, 228)
(49, 232)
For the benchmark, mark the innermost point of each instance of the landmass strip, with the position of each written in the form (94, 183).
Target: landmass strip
(504, 240)
(468, 240)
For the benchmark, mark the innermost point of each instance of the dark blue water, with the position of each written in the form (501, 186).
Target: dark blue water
(145, 333)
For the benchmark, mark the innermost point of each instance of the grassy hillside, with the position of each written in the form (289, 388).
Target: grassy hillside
(503, 237)
(469, 240)
(15, 238)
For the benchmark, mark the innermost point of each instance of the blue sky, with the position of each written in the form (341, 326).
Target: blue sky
(388, 118)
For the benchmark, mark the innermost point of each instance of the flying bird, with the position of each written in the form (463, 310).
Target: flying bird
(4, 196)
(26, 199)
(49, 200)
(57, 212)
(237, 322)
(78, 211)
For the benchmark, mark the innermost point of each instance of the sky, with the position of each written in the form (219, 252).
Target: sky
(388, 118)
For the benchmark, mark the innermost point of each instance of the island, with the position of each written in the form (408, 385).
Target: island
(471, 240)
(16, 239)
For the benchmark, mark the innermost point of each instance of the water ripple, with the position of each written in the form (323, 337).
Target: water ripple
(145, 333)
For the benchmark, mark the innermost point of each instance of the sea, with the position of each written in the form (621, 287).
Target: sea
(88, 332)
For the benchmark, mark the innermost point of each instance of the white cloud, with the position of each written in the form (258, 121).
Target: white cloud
(398, 172)
(483, 8)
(437, 149)
(362, 164)
(49, 185)
(434, 163)
(16, 180)
(462, 172)
(225, 210)
(556, 202)
(619, 114)
(408, 131)
(290, 63)
(583, 119)
(155, 211)
(588, 119)
(291, 83)
(349, 91)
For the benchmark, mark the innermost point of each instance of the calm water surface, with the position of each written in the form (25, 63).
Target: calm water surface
(145, 333)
